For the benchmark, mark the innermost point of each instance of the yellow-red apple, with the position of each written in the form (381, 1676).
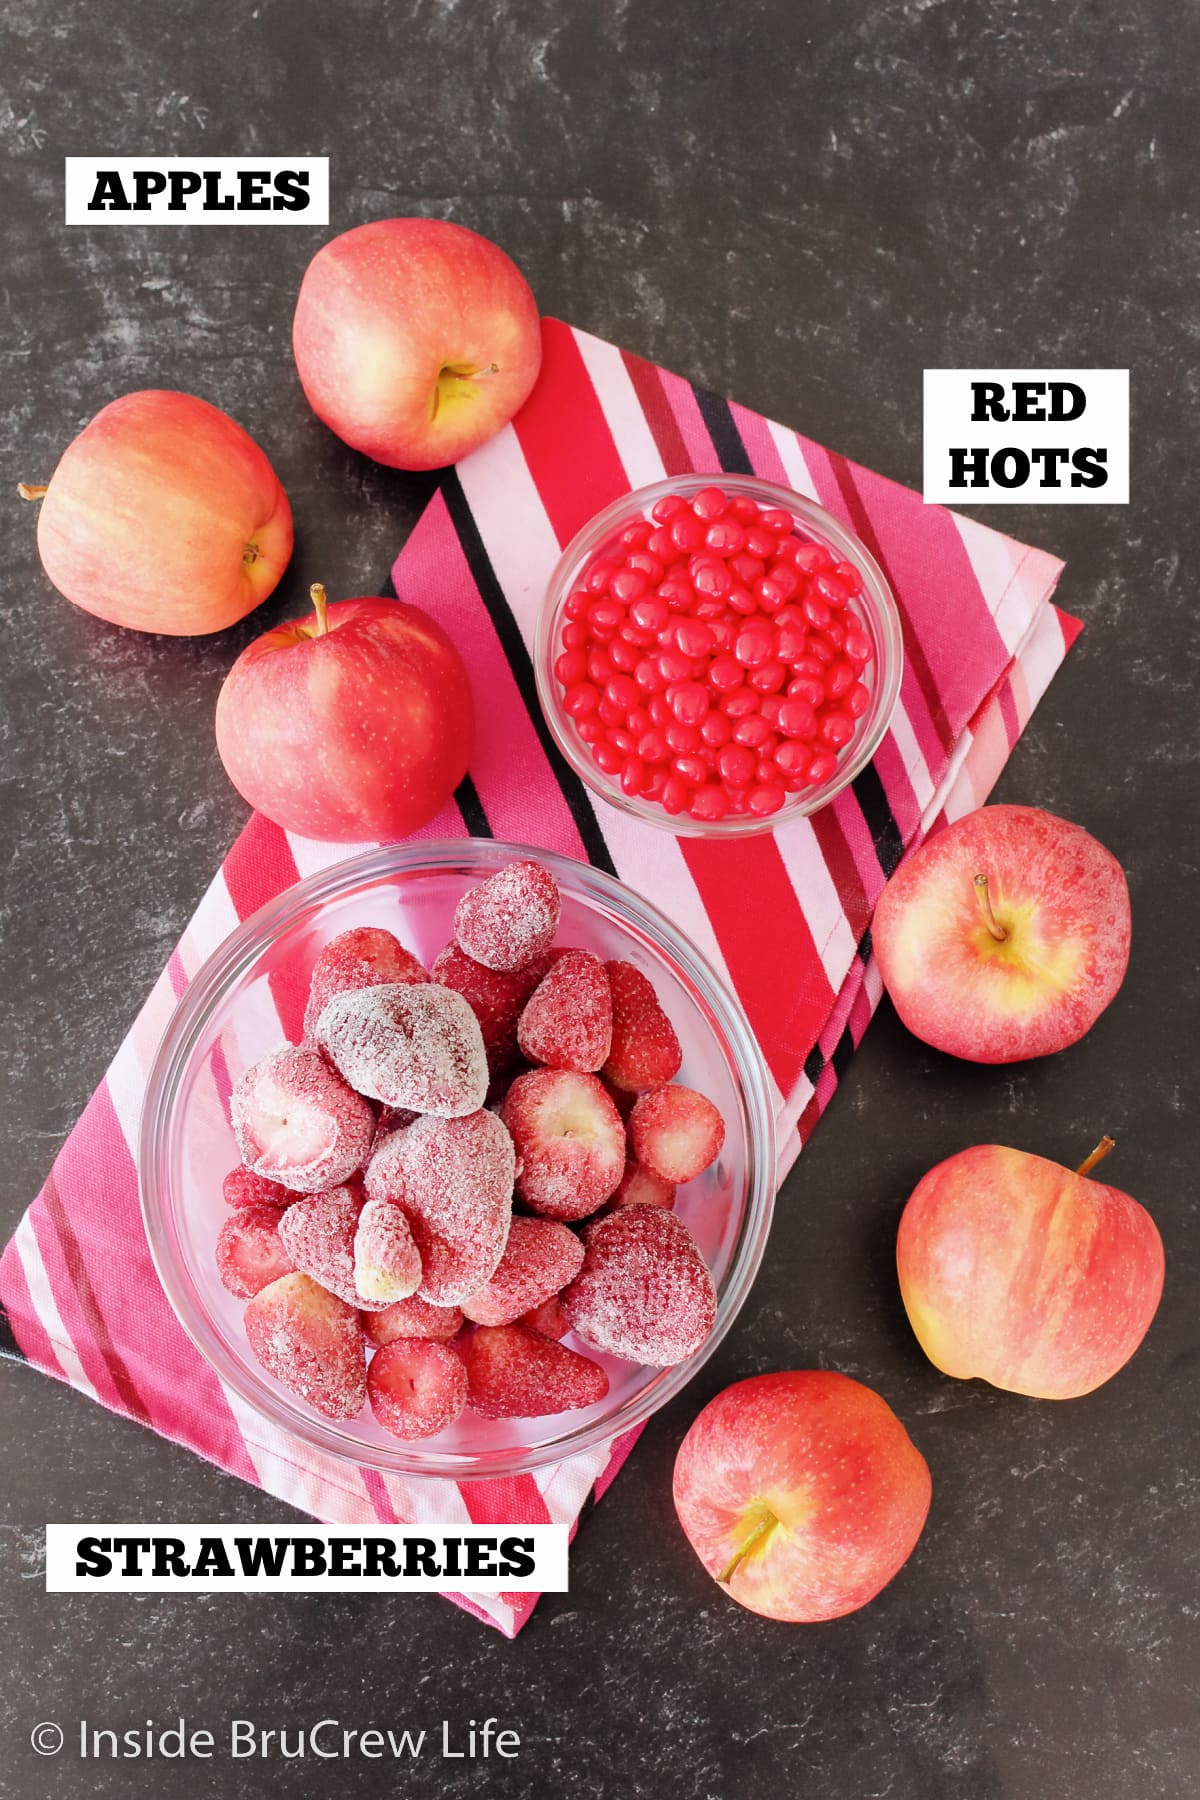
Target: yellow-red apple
(1027, 1274)
(1005, 936)
(164, 515)
(415, 340)
(801, 1493)
(353, 724)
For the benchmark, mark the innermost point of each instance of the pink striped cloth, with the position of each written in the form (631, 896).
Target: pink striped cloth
(983, 641)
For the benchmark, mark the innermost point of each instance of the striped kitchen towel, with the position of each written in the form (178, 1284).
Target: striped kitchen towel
(785, 917)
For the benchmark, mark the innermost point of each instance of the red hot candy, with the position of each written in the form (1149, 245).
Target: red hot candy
(366, 956)
(715, 612)
(644, 1292)
(510, 918)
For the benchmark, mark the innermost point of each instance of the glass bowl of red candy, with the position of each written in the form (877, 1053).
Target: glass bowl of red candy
(457, 1159)
(717, 655)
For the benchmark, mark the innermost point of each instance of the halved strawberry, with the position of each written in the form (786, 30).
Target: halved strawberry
(569, 1139)
(298, 1122)
(249, 1251)
(645, 1050)
(311, 1342)
(515, 1373)
(676, 1132)
(642, 1187)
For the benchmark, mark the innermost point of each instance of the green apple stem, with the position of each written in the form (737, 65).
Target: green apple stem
(985, 906)
(34, 492)
(316, 594)
(1098, 1155)
(765, 1525)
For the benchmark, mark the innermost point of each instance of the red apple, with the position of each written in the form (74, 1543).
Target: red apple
(1005, 936)
(415, 339)
(801, 1493)
(164, 515)
(354, 724)
(1027, 1274)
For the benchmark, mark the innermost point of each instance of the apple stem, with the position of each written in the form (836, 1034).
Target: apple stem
(28, 492)
(1098, 1155)
(985, 906)
(766, 1524)
(316, 594)
(249, 554)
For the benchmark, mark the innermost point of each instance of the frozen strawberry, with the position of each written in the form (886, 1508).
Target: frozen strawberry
(318, 1234)
(298, 1122)
(510, 918)
(645, 1051)
(644, 1291)
(412, 1318)
(454, 1178)
(642, 1187)
(548, 1319)
(416, 1387)
(494, 996)
(676, 1132)
(367, 956)
(569, 1139)
(394, 1118)
(515, 1373)
(310, 1341)
(567, 1021)
(540, 1257)
(249, 1253)
(387, 1263)
(412, 1046)
(241, 1188)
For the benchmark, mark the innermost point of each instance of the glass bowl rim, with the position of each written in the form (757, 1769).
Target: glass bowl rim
(885, 615)
(193, 1014)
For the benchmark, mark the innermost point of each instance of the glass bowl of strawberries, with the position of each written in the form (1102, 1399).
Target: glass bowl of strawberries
(718, 655)
(457, 1159)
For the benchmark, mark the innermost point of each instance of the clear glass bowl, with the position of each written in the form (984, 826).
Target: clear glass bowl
(875, 606)
(228, 1019)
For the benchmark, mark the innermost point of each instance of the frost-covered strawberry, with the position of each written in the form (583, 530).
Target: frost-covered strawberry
(540, 1257)
(311, 1342)
(495, 996)
(676, 1132)
(387, 1263)
(642, 1187)
(454, 1179)
(249, 1251)
(298, 1122)
(510, 918)
(413, 1046)
(567, 1021)
(645, 1051)
(548, 1319)
(416, 1387)
(366, 956)
(412, 1318)
(570, 1141)
(644, 1292)
(515, 1373)
(242, 1188)
(318, 1235)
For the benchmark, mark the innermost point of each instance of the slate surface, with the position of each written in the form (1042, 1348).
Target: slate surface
(803, 205)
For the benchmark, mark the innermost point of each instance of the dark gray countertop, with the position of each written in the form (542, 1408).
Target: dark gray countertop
(803, 205)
